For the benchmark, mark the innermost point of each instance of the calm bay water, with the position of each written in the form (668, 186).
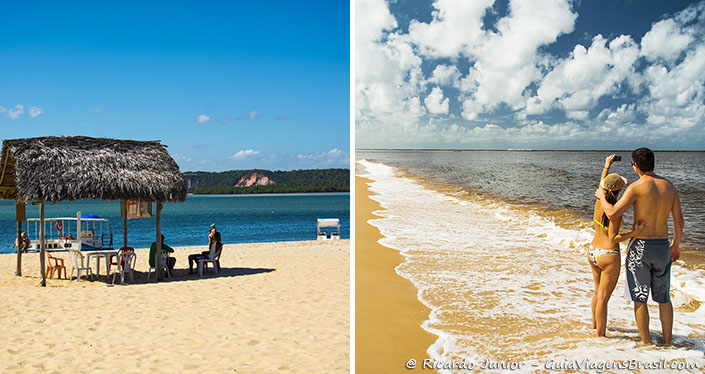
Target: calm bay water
(239, 218)
(496, 244)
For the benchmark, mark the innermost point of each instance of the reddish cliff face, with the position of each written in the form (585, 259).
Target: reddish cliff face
(256, 179)
(190, 183)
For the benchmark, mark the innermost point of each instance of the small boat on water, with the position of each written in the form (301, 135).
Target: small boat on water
(85, 233)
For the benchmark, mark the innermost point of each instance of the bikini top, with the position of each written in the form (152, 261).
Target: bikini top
(621, 221)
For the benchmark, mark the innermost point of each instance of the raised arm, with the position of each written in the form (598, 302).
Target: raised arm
(608, 162)
(678, 224)
(616, 237)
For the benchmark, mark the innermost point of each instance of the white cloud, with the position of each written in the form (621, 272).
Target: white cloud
(665, 40)
(455, 29)
(577, 82)
(95, 110)
(182, 158)
(373, 21)
(676, 97)
(623, 114)
(675, 92)
(35, 111)
(577, 114)
(251, 115)
(435, 102)
(244, 154)
(202, 118)
(445, 75)
(335, 152)
(501, 73)
(507, 60)
(15, 112)
(388, 79)
(334, 157)
(388, 75)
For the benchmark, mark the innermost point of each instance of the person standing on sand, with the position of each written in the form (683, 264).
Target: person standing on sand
(649, 256)
(603, 257)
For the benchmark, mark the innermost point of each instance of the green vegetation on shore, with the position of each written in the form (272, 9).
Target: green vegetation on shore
(226, 182)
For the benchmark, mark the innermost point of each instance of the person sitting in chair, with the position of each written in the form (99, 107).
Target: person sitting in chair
(193, 259)
(24, 244)
(166, 248)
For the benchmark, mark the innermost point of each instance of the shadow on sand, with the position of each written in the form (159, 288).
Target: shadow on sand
(180, 275)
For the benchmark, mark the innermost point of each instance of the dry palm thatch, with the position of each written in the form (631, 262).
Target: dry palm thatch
(78, 167)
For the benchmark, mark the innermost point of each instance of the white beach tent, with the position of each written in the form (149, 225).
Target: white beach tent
(328, 222)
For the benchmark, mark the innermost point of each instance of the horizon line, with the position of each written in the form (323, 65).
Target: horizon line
(517, 150)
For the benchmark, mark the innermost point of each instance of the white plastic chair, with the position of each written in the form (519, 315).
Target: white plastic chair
(212, 257)
(77, 263)
(126, 263)
(165, 265)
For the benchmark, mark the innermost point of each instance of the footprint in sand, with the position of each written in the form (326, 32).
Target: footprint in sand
(253, 342)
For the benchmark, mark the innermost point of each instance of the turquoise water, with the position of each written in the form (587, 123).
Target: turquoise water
(239, 218)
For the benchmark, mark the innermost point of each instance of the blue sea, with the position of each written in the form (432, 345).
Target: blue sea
(239, 218)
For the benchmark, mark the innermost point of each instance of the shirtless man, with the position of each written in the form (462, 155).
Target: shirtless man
(649, 257)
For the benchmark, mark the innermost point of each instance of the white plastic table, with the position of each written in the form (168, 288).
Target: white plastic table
(97, 256)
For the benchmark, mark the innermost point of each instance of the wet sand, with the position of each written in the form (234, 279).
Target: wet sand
(388, 314)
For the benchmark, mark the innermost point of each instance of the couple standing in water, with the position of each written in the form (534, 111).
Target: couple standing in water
(649, 256)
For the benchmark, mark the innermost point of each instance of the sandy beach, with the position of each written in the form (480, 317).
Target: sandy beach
(274, 307)
(388, 315)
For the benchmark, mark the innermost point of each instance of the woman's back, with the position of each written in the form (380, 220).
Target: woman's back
(601, 239)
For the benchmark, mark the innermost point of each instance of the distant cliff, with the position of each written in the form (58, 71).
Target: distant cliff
(267, 181)
(255, 179)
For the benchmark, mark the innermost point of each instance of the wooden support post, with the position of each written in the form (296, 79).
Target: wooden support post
(19, 216)
(158, 252)
(20, 242)
(42, 245)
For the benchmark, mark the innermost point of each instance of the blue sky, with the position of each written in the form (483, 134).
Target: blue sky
(530, 74)
(224, 84)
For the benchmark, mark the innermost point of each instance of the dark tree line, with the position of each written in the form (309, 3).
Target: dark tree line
(313, 180)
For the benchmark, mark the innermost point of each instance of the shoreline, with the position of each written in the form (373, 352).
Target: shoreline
(320, 193)
(388, 314)
(270, 308)
(692, 255)
(481, 311)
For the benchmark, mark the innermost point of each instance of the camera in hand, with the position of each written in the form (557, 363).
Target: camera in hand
(617, 158)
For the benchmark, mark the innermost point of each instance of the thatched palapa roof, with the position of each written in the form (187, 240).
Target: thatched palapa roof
(79, 167)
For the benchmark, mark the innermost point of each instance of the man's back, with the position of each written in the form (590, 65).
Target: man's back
(654, 197)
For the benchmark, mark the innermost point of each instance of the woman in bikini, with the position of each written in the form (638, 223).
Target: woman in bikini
(604, 255)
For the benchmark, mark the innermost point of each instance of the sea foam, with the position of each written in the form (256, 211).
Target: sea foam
(508, 282)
